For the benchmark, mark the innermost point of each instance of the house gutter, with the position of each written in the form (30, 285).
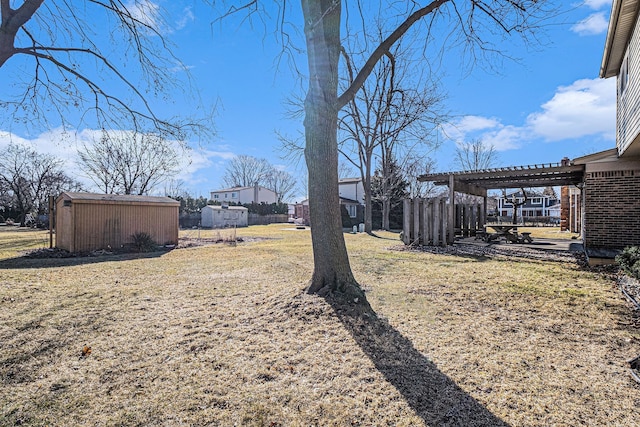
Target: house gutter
(622, 21)
(613, 22)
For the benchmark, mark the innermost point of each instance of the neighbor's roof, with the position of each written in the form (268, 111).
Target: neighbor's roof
(624, 14)
(226, 190)
(116, 198)
(530, 193)
(349, 201)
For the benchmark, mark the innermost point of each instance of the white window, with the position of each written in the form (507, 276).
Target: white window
(353, 210)
(226, 195)
(536, 201)
(234, 195)
(216, 196)
(623, 77)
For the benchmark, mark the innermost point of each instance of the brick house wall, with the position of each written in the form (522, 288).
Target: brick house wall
(612, 208)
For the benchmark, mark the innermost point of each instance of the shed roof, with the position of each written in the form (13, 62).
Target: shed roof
(118, 199)
(624, 14)
(349, 180)
(230, 208)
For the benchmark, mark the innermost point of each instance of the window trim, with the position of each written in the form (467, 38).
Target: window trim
(623, 77)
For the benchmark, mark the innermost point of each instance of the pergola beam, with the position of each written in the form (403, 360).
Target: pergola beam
(512, 177)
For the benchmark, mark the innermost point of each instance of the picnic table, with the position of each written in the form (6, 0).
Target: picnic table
(509, 233)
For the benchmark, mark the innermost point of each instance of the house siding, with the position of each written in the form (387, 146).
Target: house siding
(628, 105)
(351, 189)
(612, 211)
(244, 195)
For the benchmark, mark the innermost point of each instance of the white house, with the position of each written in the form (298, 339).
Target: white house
(351, 193)
(352, 189)
(241, 195)
(537, 205)
(611, 188)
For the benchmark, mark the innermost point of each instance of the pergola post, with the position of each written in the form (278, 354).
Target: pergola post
(483, 220)
(452, 210)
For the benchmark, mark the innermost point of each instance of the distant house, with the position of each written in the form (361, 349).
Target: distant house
(242, 195)
(538, 205)
(301, 212)
(351, 189)
(351, 193)
(88, 221)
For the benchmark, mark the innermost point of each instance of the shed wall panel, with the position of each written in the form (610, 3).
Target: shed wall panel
(102, 226)
(86, 226)
(64, 226)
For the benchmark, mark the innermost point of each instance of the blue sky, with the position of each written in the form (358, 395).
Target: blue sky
(547, 105)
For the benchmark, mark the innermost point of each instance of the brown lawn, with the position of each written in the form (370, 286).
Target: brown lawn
(222, 335)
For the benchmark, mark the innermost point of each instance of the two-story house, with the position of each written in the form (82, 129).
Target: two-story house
(351, 193)
(536, 206)
(611, 186)
(242, 195)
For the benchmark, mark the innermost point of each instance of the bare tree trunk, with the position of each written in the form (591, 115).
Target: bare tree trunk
(332, 271)
(368, 223)
(386, 209)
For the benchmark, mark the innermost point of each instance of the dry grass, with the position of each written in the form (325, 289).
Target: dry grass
(548, 233)
(221, 335)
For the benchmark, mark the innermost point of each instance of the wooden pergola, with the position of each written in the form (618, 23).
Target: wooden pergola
(477, 183)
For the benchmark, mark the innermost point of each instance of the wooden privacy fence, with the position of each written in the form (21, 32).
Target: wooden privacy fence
(256, 219)
(432, 222)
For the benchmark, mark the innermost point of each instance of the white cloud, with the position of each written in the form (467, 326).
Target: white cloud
(64, 145)
(597, 4)
(457, 131)
(504, 138)
(587, 107)
(593, 24)
(149, 13)
(186, 18)
(490, 130)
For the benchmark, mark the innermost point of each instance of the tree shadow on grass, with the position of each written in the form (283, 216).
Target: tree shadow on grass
(25, 262)
(435, 397)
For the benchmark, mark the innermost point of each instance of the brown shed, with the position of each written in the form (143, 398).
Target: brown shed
(87, 221)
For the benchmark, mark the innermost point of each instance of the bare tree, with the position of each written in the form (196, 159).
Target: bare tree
(246, 171)
(73, 67)
(282, 183)
(130, 163)
(392, 108)
(516, 202)
(475, 155)
(29, 177)
(465, 21)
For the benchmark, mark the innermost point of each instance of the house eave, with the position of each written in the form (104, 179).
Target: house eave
(624, 14)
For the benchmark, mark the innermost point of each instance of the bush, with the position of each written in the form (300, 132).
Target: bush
(142, 242)
(629, 260)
